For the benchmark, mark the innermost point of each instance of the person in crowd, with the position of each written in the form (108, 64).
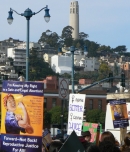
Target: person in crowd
(108, 146)
(46, 140)
(93, 148)
(55, 146)
(87, 135)
(126, 146)
(108, 136)
(85, 139)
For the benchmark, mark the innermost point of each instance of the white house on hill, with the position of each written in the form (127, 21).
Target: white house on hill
(61, 64)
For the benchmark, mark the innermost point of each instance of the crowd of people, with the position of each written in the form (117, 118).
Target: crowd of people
(107, 143)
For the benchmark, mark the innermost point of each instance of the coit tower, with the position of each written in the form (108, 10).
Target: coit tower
(74, 18)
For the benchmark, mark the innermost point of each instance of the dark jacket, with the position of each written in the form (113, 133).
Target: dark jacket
(84, 143)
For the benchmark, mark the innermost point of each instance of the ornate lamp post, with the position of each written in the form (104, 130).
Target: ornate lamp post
(28, 14)
(72, 49)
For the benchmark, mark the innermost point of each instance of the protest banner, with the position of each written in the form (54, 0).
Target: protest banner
(92, 127)
(22, 116)
(119, 113)
(75, 114)
(72, 144)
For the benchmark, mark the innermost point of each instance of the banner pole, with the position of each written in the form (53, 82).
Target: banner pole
(123, 131)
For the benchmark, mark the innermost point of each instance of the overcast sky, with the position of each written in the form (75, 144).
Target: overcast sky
(106, 22)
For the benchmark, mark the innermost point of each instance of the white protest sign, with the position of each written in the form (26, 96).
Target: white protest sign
(75, 115)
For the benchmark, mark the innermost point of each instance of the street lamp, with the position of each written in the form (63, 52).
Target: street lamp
(28, 14)
(72, 49)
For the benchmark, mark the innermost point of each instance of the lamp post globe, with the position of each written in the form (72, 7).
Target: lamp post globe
(10, 17)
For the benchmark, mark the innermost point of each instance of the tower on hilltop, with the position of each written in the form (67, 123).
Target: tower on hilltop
(74, 18)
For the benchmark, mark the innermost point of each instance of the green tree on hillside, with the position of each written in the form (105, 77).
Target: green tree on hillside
(104, 48)
(50, 38)
(83, 36)
(120, 49)
(78, 43)
(104, 71)
(38, 69)
(92, 48)
(67, 36)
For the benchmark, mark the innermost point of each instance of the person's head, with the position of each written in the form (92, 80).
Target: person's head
(108, 146)
(108, 136)
(93, 148)
(55, 146)
(127, 139)
(9, 102)
(87, 135)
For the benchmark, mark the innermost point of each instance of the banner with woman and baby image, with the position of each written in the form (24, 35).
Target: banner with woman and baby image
(119, 113)
(22, 116)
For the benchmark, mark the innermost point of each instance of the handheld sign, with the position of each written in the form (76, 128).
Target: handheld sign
(75, 115)
(72, 144)
(22, 116)
(93, 128)
(119, 113)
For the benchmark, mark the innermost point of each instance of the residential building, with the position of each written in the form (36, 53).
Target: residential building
(115, 68)
(85, 81)
(90, 64)
(8, 43)
(6, 68)
(51, 82)
(47, 58)
(18, 55)
(124, 59)
(61, 64)
(125, 67)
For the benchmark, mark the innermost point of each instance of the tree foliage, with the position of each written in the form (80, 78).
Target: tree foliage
(50, 38)
(104, 49)
(46, 118)
(78, 43)
(92, 48)
(67, 35)
(95, 116)
(55, 113)
(83, 36)
(120, 49)
(38, 69)
(104, 71)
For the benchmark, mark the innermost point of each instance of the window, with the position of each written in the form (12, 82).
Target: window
(73, 10)
(53, 102)
(90, 104)
(77, 10)
(100, 104)
(45, 103)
